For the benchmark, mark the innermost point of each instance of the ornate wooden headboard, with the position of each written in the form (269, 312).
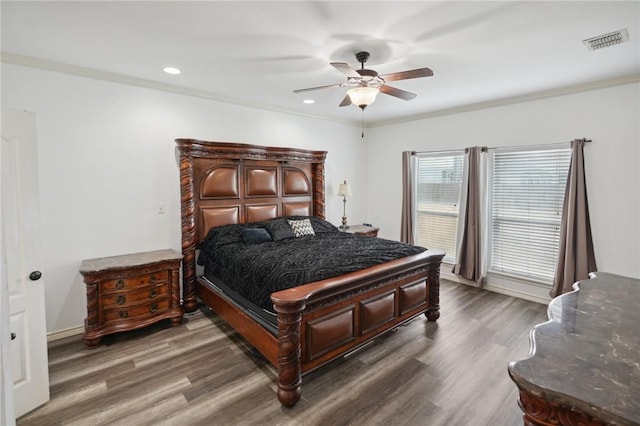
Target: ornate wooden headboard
(225, 183)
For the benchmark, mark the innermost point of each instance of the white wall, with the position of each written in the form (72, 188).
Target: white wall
(106, 159)
(609, 116)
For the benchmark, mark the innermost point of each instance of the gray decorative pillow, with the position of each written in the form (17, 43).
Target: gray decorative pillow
(279, 229)
(255, 235)
(301, 227)
(320, 226)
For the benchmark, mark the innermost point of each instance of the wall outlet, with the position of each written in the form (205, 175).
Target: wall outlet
(161, 208)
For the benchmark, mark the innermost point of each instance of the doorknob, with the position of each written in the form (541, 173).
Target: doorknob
(35, 275)
(13, 335)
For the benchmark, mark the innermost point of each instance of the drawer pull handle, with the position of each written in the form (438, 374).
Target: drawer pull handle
(121, 299)
(120, 284)
(154, 308)
(152, 278)
(124, 314)
(152, 294)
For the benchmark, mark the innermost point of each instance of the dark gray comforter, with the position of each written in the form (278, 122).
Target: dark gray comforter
(257, 269)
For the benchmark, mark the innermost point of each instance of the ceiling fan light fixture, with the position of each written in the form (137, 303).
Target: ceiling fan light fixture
(363, 96)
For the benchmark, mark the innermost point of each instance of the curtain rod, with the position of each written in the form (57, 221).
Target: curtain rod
(498, 147)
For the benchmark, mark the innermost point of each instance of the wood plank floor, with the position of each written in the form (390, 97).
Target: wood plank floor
(452, 372)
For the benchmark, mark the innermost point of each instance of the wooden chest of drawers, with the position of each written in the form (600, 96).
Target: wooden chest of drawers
(130, 291)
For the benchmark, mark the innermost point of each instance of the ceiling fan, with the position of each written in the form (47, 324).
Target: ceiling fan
(366, 83)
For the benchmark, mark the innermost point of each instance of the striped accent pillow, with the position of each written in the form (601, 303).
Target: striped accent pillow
(301, 227)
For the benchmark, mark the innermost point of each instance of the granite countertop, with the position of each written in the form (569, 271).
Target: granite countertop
(587, 356)
(128, 260)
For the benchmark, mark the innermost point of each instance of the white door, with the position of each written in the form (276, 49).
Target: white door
(22, 264)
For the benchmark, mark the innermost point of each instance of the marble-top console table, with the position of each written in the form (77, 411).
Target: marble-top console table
(584, 365)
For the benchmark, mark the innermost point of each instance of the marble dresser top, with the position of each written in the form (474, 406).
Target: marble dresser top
(128, 260)
(587, 356)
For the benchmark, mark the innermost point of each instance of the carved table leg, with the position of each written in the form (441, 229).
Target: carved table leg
(289, 371)
(540, 412)
(92, 335)
(92, 343)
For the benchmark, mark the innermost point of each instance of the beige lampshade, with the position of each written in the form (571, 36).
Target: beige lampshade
(344, 190)
(363, 96)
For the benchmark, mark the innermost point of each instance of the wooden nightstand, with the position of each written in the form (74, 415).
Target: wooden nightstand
(367, 231)
(130, 291)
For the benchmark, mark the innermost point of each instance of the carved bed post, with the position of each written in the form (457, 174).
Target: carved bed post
(187, 211)
(289, 370)
(433, 278)
(318, 189)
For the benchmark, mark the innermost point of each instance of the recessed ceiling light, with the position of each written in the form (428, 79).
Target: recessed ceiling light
(309, 101)
(171, 70)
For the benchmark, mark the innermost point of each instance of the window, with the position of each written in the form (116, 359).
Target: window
(438, 182)
(526, 211)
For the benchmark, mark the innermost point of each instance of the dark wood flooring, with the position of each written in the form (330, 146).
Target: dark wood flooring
(452, 372)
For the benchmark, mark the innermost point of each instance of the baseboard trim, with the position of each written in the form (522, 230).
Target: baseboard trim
(518, 294)
(67, 332)
(502, 290)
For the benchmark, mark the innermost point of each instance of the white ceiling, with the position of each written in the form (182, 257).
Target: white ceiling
(257, 53)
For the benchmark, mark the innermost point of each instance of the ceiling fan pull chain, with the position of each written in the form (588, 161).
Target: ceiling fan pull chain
(362, 123)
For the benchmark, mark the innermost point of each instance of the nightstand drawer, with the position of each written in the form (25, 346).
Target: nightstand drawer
(126, 298)
(136, 281)
(136, 311)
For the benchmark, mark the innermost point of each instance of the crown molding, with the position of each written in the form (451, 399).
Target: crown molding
(15, 59)
(12, 58)
(567, 90)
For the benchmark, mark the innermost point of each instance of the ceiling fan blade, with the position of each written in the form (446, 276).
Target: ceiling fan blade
(346, 101)
(317, 88)
(398, 93)
(405, 75)
(345, 69)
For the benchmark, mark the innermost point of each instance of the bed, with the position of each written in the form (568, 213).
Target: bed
(229, 187)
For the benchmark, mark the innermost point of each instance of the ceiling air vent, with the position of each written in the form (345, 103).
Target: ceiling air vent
(606, 40)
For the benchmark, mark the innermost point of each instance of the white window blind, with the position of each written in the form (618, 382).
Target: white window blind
(526, 211)
(439, 177)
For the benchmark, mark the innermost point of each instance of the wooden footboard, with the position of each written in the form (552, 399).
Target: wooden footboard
(322, 321)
